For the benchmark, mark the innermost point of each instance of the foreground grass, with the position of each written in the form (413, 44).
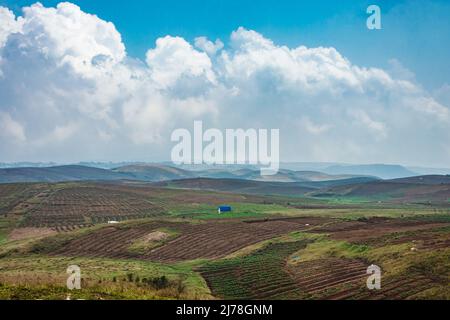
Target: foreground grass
(44, 277)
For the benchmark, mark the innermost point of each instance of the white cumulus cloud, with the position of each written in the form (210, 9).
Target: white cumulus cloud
(10, 129)
(70, 92)
(208, 46)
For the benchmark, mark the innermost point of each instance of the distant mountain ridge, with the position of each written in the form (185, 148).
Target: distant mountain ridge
(323, 167)
(157, 172)
(57, 174)
(418, 189)
(259, 187)
(384, 171)
(153, 172)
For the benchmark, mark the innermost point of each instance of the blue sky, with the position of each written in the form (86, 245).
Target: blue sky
(113, 87)
(416, 32)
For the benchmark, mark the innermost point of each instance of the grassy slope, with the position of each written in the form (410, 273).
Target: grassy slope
(107, 278)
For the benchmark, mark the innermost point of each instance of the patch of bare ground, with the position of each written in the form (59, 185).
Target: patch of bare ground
(155, 236)
(30, 233)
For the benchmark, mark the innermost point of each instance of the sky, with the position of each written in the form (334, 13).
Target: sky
(110, 80)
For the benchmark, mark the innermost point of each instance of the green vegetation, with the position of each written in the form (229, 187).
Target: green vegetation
(245, 277)
(239, 210)
(156, 238)
(394, 259)
(324, 247)
(36, 274)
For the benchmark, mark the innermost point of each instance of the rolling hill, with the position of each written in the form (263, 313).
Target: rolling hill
(384, 171)
(158, 172)
(240, 186)
(283, 175)
(58, 174)
(258, 187)
(428, 179)
(421, 189)
(153, 172)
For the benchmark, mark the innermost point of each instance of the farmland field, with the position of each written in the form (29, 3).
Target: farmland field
(138, 241)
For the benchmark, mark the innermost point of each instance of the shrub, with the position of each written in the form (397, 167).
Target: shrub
(130, 277)
(157, 282)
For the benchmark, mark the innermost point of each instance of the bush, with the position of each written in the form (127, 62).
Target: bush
(158, 282)
(130, 277)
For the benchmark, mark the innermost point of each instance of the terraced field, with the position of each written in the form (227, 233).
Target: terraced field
(69, 206)
(12, 195)
(393, 288)
(318, 278)
(208, 240)
(370, 230)
(215, 240)
(261, 275)
(85, 205)
(338, 272)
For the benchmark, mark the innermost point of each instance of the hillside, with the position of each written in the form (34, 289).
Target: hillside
(240, 186)
(410, 190)
(259, 187)
(59, 173)
(283, 175)
(384, 171)
(158, 172)
(428, 179)
(153, 172)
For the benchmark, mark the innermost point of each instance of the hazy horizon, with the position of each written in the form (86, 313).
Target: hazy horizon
(170, 163)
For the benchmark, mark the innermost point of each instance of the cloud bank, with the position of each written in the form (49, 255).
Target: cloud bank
(70, 92)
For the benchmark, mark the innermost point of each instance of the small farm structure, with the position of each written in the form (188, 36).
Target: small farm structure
(222, 209)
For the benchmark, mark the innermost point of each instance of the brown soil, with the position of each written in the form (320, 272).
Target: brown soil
(319, 277)
(86, 205)
(29, 233)
(155, 236)
(371, 230)
(213, 239)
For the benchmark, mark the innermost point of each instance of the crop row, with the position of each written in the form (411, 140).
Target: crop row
(86, 205)
(261, 275)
